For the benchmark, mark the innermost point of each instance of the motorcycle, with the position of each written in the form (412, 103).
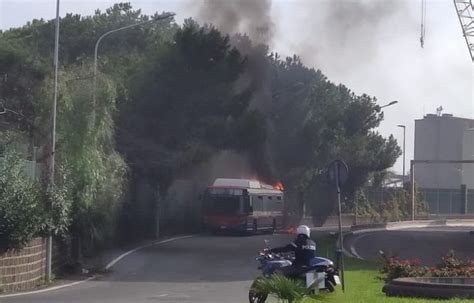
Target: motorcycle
(320, 274)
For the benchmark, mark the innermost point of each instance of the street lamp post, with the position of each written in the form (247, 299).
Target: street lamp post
(404, 155)
(49, 246)
(389, 104)
(94, 88)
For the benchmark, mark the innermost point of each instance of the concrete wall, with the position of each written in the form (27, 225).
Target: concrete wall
(440, 138)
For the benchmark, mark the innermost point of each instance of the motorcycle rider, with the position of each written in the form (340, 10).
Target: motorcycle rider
(304, 249)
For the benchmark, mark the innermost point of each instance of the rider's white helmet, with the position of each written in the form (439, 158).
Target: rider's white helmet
(303, 230)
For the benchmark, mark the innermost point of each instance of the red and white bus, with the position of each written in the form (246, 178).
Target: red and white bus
(242, 205)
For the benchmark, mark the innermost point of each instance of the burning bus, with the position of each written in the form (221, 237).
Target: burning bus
(243, 205)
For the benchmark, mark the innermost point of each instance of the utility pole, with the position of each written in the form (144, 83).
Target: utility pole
(404, 154)
(412, 188)
(49, 250)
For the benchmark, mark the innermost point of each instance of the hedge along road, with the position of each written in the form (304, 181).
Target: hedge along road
(197, 269)
(429, 244)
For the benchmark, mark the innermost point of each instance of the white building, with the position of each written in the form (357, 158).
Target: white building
(444, 137)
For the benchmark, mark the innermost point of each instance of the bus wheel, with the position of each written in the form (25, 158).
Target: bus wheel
(255, 229)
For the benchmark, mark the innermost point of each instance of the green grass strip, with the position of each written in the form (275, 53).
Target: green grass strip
(362, 284)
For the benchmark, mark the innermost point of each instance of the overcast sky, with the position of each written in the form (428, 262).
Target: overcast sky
(371, 46)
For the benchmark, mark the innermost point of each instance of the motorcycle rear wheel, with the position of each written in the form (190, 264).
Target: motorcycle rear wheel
(329, 286)
(255, 296)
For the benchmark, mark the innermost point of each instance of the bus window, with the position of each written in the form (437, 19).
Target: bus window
(226, 191)
(278, 206)
(273, 205)
(248, 207)
(257, 203)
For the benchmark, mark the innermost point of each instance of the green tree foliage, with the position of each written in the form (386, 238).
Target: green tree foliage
(92, 170)
(19, 204)
(89, 172)
(183, 105)
(168, 98)
(19, 76)
(26, 210)
(311, 122)
(314, 122)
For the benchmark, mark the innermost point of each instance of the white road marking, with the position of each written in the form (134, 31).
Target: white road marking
(34, 292)
(352, 247)
(116, 260)
(110, 265)
(414, 228)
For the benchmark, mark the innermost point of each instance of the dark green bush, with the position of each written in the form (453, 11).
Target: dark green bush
(26, 209)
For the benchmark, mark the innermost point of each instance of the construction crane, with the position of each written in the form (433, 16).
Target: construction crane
(423, 23)
(465, 11)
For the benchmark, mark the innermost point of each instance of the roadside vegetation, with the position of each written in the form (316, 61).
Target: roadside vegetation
(169, 97)
(448, 266)
(27, 209)
(364, 281)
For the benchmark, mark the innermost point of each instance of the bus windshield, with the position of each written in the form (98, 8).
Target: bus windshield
(223, 204)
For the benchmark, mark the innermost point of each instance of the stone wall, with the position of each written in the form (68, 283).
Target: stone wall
(23, 269)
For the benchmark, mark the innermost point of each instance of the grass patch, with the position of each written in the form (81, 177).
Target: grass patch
(362, 284)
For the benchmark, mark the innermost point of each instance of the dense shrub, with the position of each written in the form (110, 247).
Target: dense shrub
(26, 209)
(450, 266)
(383, 204)
(20, 204)
(396, 268)
(285, 289)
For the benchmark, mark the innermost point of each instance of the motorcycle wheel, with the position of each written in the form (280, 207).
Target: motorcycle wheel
(329, 286)
(256, 296)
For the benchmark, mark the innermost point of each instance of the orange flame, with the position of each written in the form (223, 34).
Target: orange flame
(279, 186)
(291, 230)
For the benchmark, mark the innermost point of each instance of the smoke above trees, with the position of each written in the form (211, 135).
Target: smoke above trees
(189, 96)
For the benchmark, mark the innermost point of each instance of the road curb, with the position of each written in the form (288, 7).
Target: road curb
(107, 267)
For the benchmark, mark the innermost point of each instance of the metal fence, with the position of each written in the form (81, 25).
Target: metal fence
(437, 201)
(32, 169)
(448, 201)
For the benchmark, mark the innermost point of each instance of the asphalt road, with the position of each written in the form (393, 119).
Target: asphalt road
(428, 244)
(205, 269)
(198, 269)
